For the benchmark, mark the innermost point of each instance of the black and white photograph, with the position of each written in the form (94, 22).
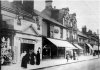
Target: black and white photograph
(50, 34)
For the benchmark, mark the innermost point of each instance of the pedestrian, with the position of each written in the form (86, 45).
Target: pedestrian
(25, 59)
(67, 56)
(38, 58)
(74, 58)
(32, 58)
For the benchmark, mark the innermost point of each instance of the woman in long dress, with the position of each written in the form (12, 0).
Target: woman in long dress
(38, 58)
(32, 60)
(25, 60)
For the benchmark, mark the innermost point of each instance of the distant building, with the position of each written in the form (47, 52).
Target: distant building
(92, 40)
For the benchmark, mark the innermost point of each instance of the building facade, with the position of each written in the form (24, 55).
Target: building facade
(60, 25)
(20, 31)
(52, 32)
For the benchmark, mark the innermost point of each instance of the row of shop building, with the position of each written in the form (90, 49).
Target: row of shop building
(52, 32)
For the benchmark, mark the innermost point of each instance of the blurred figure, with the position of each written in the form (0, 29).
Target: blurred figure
(25, 59)
(32, 57)
(38, 58)
(67, 56)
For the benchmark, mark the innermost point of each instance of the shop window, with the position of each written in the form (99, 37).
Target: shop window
(6, 51)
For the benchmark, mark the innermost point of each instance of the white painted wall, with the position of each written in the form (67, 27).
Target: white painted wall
(44, 29)
(25, 24)
(57, 35)
(64, 34)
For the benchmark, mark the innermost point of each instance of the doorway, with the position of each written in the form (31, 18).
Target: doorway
(26, 47)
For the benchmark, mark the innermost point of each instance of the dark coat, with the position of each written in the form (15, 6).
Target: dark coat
(38, 58)
(32, 60)
(25, 60)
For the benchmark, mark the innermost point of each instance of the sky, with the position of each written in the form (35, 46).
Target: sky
(87, 11)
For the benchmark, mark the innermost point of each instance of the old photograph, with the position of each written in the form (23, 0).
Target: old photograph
(50, 34)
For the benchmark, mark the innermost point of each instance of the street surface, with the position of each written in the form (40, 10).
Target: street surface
(84, 65)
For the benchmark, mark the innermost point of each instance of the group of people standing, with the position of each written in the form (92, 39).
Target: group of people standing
(30, 57)
(74, 56)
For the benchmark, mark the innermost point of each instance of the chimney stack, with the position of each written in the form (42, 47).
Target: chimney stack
(28, 6)
(48, 3)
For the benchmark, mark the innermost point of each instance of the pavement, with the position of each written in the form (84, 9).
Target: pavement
(48, 63)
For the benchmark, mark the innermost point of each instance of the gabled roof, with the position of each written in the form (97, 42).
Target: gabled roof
(46, 14)
(33, 29)
(11, 7)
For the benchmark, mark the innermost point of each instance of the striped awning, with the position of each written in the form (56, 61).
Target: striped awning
(79, 47)
(89, 46)
(61, 43)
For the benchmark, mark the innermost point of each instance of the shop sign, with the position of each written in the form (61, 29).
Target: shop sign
(56, 31)
(28, 41)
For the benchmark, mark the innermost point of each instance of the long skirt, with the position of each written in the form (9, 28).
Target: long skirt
(24, 63)
(32, 61)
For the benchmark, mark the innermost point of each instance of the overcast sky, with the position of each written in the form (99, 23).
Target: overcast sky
(87, 11)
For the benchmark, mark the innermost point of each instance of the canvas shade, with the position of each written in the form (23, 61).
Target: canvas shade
(79, 47)
(61, 43)
(90, 46)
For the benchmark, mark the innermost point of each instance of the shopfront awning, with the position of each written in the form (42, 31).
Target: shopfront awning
(60, 43)
(89, 46)
(95, 47)
(79, 47)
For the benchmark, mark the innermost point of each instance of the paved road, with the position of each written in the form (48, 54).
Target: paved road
(85, 65)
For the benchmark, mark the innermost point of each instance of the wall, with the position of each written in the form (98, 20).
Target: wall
(25, 24)
(64, 34)
(57, 35)
(44, 29)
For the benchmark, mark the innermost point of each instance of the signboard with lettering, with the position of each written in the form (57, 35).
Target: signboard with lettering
(28, 41)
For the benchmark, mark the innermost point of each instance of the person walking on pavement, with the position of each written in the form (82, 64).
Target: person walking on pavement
(25, 59)
(74, 58)
(67, 56)
(38, 58)
(32, 58)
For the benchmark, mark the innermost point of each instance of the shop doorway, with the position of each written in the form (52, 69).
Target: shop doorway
(26, 47)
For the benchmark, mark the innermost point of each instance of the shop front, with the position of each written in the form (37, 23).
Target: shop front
(79, 50)
(6, 44)
(24, 42)
(89, 48)
(55, 48)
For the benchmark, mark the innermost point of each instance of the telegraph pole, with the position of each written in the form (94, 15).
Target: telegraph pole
(98, 42)
(0, 30)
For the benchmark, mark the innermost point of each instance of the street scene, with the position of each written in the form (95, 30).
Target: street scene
(85, 65)
(50, 34)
